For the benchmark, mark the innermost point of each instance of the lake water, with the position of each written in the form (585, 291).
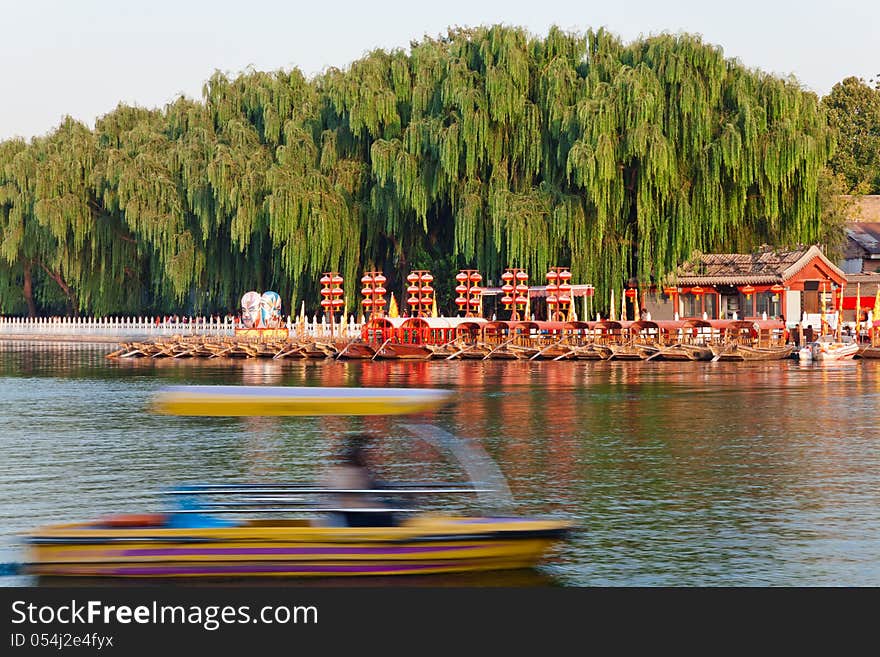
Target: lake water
(679, 474)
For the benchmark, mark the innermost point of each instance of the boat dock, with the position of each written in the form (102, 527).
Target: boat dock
(460, 338)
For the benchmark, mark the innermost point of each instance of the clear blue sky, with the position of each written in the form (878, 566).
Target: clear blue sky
(83, 57)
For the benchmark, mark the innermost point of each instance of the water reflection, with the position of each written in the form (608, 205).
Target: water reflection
(680, 473)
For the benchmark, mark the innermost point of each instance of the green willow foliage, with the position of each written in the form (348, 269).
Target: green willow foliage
(488, 147)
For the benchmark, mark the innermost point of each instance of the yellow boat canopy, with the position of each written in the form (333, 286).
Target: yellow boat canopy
(253, 401)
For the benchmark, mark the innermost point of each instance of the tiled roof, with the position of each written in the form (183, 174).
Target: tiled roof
(766, 267)
(866, 234)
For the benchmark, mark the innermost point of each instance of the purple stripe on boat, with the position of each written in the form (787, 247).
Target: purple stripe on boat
(227, 569)
(206, 551)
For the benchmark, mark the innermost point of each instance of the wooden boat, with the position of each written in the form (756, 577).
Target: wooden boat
(393, 350)
(356, 350)
(827, 351)
(632, 351)
(590, 352)
(867, 351)
(197, 538)
(739, 352)
(683, 351)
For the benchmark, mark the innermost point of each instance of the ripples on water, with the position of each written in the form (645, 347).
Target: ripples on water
(679, 473)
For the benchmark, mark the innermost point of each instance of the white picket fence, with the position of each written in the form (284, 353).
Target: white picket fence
(141, 327)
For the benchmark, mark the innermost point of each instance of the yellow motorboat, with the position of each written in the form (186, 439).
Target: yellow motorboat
(424, 544)
(274, 530)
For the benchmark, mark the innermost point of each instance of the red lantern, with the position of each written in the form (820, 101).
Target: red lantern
(476, 277)
(748, 290)
(521, 301)
(379, 290)
(367, 303)
(325, 280)
(336, 280)
(507, 289)
(552, 300)
(380, 279)
(461, 289)
(564, 300)
(461, 277)
(522, 289)
(367, 291)
(565, 287)
(590, 290)
(522, 276)
(336, 292)
(551, 275)
(412, 289)
(507, 300)
(565, 275)
(697, 291)
(338, 303)
(413, 301)
(507, 276)
(461, 301)
(669, 291)
(427, 289)
(413, 277)
(475, 301)
(426, 278)
(631, 292)
(326, 303)
(776, 289)
(367, 279)
(552, 288)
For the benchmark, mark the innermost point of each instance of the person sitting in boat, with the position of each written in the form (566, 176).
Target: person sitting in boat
(809, 334)
(352, 473)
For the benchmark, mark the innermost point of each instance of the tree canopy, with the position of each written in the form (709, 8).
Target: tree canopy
(487, 147)
(853, 108)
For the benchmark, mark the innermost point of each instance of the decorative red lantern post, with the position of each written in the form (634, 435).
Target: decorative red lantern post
(331, 290)
(420, 291)
(468, 292)
(516, 295)
(374, 293)
(558, 293)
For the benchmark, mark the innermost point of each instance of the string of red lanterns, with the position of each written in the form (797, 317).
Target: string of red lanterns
(331, 290)
(468, 291)
(558, 293)
(515, 291)
(374, 293)
(420, 291)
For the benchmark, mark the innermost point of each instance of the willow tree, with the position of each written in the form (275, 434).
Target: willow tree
(485, 147)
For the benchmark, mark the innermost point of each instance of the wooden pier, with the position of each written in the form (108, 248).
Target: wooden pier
(478, 339)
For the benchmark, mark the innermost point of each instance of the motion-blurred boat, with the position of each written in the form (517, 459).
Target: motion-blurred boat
(246, 530)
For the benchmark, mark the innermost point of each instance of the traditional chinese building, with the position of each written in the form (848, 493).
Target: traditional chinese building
(771, 283)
